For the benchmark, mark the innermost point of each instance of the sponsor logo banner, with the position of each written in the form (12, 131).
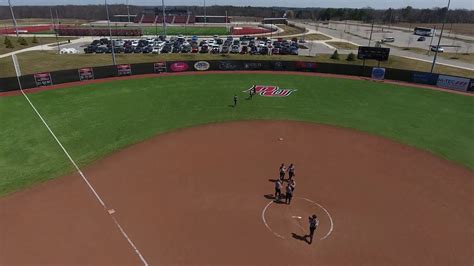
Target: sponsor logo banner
(124, 70)
(253, 66)
(270, 91)
(179, 67)
(43, 79)
(202, 66)
(86, 73)
(378, 73)
(228, 65)
(159, 67)
(301, 65)
(425, 78)
(454, 83)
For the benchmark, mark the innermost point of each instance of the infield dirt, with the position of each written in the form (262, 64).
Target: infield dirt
(196, 196)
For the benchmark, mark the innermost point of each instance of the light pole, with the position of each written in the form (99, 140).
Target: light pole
(371, 31)
(440, 36)
(164, 16)
(110, 33)
(13, 17)
(205, 14)
(128, 12)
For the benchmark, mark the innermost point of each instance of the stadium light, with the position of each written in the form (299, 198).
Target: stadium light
(440, 36)
(110, 33)
(13, 17)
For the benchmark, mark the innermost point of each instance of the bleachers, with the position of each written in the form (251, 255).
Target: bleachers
(148, 19)
(170, 19)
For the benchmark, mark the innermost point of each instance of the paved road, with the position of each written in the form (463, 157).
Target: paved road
(338, 32)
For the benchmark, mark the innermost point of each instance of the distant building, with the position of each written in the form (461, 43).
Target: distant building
(275, 21)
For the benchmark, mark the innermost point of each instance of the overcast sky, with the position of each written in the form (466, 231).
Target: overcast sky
(379, 4)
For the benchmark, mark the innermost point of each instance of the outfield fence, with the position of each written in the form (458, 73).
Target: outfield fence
(88, 73)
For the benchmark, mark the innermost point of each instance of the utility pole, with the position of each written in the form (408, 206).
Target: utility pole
(128, 12)
(164, 16)
(13, 17)
(110, 33)
(371, 31)
(431, 42)
(440, 36)
(54, 28)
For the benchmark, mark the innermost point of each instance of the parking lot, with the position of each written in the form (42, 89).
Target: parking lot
(182, 44)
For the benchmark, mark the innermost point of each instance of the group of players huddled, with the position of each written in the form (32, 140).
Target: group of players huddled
(289, 190)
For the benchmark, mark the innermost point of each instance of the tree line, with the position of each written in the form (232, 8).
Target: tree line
(391, 15)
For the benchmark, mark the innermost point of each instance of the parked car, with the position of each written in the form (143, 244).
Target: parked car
(264, 50)
(195, 49)
(89, 49)
(147, 50)
(388, 39)
(236, 42)
(128, 50)
(276, 51)
(437, 48)
(225, 50)
(219, 41)
(244, 50)
(176, 49)
(166, 49)
(294, 51)
(215, 50)
(156, 50)
(204, 49)
(186, 49)
(422, 38)
(100, 49)
(235, 49)
(254, 50)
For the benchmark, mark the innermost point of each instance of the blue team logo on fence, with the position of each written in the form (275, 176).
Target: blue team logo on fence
(270, 91)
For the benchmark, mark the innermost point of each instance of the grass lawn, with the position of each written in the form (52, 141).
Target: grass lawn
(316, 37)
(466, 57)
(95, 120)
(51, 61)
(17, 46)
(289, 30)
(343, 45)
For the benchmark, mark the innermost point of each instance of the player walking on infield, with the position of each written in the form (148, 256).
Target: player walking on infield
(291, 171)
(313, 224)
(278, 185)
(289, 193)
(282, 171)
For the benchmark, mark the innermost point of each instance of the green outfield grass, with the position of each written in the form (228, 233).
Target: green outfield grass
(97, 119)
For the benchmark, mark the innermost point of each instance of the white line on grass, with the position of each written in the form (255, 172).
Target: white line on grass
(85, 179)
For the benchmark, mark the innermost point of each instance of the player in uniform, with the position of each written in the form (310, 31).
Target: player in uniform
(291, 171)
(278, 185)
(313, 224)
(289, 193)
(235, 100)
(282, 171)
(292, 183)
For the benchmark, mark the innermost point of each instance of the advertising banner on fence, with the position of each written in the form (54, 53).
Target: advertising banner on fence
(305, 66)
(202, 66)
(425, 78)
(124, 70)
(453, 83)
(86, 73)
(159, 67)
(43, 79)
(378, 73)
(179, 67)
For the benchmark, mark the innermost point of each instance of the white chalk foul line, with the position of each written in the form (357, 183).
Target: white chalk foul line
(85, 179)
(331, 228)
(265, 221)
(327, 213)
